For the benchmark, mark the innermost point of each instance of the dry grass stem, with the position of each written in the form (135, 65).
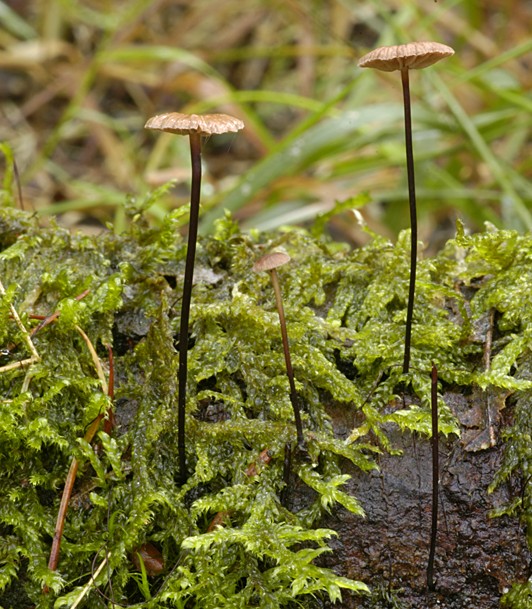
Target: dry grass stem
(96, 360)
(20, 364)
(35, 357)
(84, 591)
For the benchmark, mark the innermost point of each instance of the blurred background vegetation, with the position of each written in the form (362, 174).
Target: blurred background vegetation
(79, 78)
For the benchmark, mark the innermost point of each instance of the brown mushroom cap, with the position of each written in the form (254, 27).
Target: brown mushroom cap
(204, 124)
(414, 56)
(271, 261)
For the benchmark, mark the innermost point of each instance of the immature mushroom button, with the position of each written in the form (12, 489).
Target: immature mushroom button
(271, 261)
(195, 126)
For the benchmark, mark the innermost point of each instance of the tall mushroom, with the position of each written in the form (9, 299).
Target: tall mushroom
(405, 57)
(194, 126)
(270, 262)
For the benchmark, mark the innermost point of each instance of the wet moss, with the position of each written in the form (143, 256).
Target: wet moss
(345, 312)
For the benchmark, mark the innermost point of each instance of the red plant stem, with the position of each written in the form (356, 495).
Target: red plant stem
(195, 157)
(413, 217)
(45, 320)
(287, 359)
(48, 320)
(435, 475)
(53, 561)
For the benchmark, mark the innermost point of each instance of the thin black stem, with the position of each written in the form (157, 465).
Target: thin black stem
(19, 187)
(195, 156)
(287, 359)
(435, 475)
(413, 217)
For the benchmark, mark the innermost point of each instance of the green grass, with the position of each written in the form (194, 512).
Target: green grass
(319, 129)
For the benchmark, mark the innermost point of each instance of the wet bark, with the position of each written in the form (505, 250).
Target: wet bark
(477, 557)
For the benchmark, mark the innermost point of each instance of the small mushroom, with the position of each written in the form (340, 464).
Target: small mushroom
(270, 262)
(194, 126)
(405, 57)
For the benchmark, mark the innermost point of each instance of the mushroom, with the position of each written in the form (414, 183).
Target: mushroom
(194, 126)
(270, 262)
(405, 57)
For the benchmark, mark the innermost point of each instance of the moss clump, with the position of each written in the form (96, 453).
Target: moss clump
(345, 313)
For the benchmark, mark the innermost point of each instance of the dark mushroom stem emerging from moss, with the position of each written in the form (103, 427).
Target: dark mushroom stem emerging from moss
(194, 126)
(435, 476)
(405, 57)
(270, 262)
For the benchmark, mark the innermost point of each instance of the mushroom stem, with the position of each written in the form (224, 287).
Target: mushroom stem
(413, 217)
(435, 476)
(288, 361)
(195, 157)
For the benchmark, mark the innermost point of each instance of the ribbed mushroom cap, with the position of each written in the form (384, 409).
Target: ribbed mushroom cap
(271, 261)
(414, 56)
(204, 124)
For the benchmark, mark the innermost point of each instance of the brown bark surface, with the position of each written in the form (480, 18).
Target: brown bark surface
(477, 556)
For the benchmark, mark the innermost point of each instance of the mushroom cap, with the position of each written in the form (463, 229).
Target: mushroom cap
(185, 124)
(271, 261)
(413, 56)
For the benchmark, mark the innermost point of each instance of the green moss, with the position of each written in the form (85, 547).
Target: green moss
(345, 312)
